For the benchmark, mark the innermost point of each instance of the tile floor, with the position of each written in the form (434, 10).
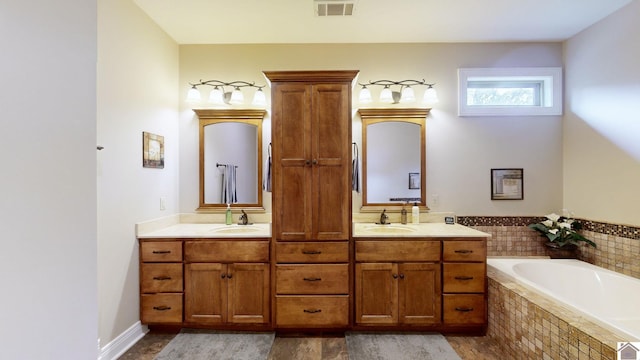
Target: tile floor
(317, 348)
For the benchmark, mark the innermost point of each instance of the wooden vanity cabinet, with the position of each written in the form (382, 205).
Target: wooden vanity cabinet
(311, 183)
(161, 282)
(226, 282)
(397, 282)
(464, 281)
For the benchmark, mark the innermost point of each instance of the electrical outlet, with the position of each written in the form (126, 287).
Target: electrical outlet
(163, 203)
(434, 199)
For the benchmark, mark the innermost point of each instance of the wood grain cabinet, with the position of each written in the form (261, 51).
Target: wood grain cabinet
(464, 281)
(397, 282)
(161, 282)
(226, 282)
(311, 183)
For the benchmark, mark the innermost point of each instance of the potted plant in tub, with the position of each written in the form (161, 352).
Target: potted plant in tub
(562, 234)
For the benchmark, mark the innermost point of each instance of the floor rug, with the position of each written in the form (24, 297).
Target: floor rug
(399, 346)
(218, 345)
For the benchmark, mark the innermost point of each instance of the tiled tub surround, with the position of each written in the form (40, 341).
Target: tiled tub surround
(618, 246)
(529, 325)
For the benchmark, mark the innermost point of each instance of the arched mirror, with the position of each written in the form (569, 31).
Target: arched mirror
(393, 159)
(230, 158)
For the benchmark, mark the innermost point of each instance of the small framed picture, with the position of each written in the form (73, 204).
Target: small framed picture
(152, 150)
(506, 184)
(414, 180)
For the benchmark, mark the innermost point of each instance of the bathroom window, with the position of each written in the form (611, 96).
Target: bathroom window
(510, 91)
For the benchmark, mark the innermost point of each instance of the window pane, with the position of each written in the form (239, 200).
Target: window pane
(488, 93)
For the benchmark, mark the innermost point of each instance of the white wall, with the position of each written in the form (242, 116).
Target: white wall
(601, 129)
(460, 151)
(137, 91)
(48, 308)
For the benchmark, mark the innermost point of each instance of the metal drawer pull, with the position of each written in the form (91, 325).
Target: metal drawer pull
(464, 277)
(312, 311)
(311, 252)
(312, 279)
(162, 251)
(463, 251)
(162, 278)
(162, 308)
(464, 309)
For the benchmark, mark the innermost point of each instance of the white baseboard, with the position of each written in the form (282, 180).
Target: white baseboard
(123, 342)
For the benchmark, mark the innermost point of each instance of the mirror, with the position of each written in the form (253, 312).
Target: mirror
(230, 138)
(393, 158)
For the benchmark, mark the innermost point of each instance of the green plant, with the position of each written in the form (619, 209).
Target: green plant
(561, 230)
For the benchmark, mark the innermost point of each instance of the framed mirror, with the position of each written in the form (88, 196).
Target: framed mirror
(230, 158)
(393, 158)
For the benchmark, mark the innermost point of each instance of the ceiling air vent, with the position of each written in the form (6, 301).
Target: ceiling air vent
(333, 7)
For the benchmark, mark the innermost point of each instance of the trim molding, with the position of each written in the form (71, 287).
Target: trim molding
(123, 342)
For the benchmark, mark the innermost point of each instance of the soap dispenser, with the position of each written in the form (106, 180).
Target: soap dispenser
(403, 215)
(228, 219)
(415, 214)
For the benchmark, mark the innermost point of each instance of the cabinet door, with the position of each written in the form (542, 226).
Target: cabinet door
(331, 161)
(248, 286)
(291, 131)
(419, 293)
(376, 293)
(205, 293)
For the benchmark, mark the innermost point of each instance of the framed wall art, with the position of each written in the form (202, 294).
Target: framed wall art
(414, 180)
(506, 184)
(152, 150)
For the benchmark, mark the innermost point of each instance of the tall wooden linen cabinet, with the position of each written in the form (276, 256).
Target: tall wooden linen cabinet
(311, 184)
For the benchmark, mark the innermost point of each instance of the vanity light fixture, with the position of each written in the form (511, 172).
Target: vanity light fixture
(218, 96)
(405, 95)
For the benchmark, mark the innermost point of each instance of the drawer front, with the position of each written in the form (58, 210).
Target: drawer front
(226, 251)
(312, 311)
(464, 309)
(312, 252)
(464, 250)
(312, 279)
(156, 278)
(161, 308)
(391, 250)
(161, 251)
(463, 277)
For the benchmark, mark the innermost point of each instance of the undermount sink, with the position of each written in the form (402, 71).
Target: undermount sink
(389, 229)
(237, 229)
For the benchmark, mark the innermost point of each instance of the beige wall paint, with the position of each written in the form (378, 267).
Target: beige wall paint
(137, 91)
(601, 128)
(460, 151)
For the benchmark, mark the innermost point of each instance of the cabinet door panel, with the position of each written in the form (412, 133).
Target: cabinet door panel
(205, 293)
(248, 293)
(419, 293)
(464, 277)
(161, 277)
(376, 293)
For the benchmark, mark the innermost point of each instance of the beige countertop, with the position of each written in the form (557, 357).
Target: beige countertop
(397, 230)
(194, 231)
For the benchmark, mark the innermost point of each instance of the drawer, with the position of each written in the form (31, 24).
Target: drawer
(161, 308)
(463, 277)
(312, 311)
(226, 251)
(157, 277)
(312, 279)
(392, 250)
(464, 309)
(312, 252)
(464, 250)
(161, 251)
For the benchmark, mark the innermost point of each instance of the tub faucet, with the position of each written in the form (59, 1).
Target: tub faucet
(244, 218)
(384, 218)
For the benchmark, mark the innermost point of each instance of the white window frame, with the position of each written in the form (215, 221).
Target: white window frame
(550, 78)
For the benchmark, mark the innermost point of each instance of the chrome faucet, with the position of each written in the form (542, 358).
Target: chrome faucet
(384, 218)
(244, 218)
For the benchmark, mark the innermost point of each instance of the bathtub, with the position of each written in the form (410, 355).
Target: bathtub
(607, 297)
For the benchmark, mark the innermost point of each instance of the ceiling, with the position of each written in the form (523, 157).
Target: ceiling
(375, 21)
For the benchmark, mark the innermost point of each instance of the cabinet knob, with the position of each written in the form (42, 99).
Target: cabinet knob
(229, 276)
(395, 276)
(223, 276)
(401, 276)
(307, 162)
(315, 162)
